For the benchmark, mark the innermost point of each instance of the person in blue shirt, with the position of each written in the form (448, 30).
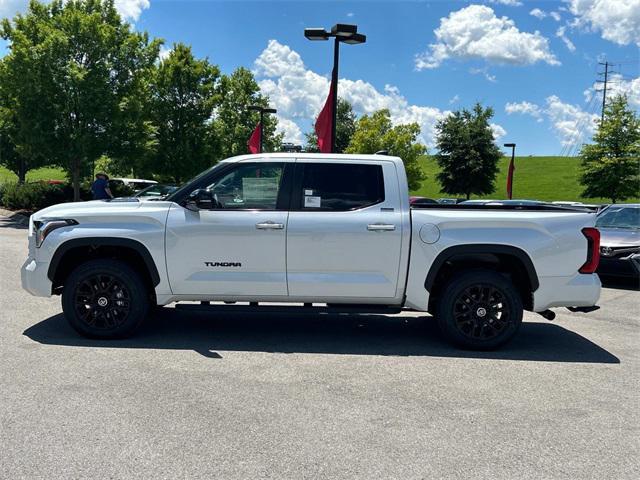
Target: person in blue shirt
(100, 187)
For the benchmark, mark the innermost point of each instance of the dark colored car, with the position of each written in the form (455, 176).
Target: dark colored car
(619, 227)
(422, 201)
(157, 191)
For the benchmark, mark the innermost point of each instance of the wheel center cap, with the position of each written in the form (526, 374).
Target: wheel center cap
(103, 302)
(481, 312)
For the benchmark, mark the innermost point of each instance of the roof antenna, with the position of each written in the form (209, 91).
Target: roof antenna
(382, 152)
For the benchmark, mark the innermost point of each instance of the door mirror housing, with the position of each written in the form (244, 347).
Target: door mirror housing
(202, 199)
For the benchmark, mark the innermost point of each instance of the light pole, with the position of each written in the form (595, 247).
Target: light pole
(512, 167)
(341, 32)
(262, 111)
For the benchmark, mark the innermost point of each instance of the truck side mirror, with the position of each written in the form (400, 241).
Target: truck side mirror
(202, 199)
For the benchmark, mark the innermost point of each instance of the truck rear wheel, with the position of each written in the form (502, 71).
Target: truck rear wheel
(479, 310)
(105, 299)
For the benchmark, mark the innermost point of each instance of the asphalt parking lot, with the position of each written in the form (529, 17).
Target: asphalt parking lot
(238, 396)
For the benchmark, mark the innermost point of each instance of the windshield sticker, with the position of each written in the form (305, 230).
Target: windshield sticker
(312, 202)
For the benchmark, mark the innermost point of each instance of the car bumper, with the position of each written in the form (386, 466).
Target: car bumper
(620, 267)
(580, 290)
(34, 278)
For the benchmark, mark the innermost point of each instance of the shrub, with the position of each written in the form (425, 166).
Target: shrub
(32, 196)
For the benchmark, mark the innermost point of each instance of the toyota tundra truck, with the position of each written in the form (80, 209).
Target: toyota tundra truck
(327, 231)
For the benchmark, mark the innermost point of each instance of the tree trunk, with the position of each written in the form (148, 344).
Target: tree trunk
(75, 172)
(468, 196)
(22, 171)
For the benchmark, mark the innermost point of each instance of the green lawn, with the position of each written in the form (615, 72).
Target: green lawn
(536, 178)
(44, 173)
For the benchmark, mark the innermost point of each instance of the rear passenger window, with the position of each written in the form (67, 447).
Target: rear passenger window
(340, 187)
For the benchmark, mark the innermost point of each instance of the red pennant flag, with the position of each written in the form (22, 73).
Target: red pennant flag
(254, 140)
(324, 123)
(512, 167)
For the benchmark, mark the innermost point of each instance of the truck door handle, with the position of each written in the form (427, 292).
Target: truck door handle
(380, 227)
(270, 226)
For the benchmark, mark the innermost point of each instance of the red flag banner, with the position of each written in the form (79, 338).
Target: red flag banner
(512, 167)
(324, 123)
(254, 140)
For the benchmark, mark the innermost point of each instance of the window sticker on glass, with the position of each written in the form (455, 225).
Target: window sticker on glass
(263, 189)
(312, 202)
(308, 192)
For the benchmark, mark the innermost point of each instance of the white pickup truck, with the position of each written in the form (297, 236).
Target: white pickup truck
(335, 230)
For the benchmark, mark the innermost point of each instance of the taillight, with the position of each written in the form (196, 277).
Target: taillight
(593, 250)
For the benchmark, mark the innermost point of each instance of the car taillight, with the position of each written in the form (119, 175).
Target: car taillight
(593, 250)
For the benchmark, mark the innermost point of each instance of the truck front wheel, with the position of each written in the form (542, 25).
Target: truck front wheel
(479, 310)
(105, 299)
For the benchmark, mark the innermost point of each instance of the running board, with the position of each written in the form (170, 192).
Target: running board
(334, 308)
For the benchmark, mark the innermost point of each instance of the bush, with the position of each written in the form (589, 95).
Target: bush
(32, 196)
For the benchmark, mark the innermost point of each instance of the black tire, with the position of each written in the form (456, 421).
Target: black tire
(479, 310)
(105, 299)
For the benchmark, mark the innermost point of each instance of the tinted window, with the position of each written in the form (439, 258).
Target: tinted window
(339, 187)
(248, 186)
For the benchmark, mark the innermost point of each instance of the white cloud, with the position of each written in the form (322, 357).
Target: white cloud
(129, 9)
(454, 99)
(485, 72)
(571, 124)
(475, 32)
(510, 3)
(556, 16)
(617, 85)
(350, 14)
(299, 93)
(617, 20)
(292, 132)
(164, 52)
(524, 108)
(539, 14)
(560, 33)
(498, 131)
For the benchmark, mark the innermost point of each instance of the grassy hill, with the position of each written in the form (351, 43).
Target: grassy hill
(537, 178)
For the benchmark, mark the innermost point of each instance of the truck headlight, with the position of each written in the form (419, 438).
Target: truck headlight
(42, 228)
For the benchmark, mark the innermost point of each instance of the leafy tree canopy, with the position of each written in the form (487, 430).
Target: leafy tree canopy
(234, 123)
(375, 132)
(611, 165)
(74, 79)
(467, 154)
(185, 92)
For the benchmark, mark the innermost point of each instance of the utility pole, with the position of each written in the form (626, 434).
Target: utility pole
(604, 91)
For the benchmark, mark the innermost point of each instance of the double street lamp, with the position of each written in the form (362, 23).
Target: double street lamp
(262, 110)
(341, 32)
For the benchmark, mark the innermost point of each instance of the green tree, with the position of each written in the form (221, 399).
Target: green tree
(234, 123)
(375, 132)
(73, 75)
(184, 95)
(345, 128)
(467, 154)
(611, 165)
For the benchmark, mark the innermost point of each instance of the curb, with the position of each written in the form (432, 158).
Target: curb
(15, 217)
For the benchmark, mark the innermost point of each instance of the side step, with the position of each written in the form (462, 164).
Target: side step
(293, 308)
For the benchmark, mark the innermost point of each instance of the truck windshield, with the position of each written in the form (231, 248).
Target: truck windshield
(187, 186)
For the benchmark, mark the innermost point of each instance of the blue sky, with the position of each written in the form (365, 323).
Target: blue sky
(534, 62)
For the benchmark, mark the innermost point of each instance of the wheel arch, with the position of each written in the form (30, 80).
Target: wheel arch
(502, 258)
(88, 248)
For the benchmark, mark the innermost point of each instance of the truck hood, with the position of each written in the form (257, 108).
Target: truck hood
(100, 208)
(619, 237)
